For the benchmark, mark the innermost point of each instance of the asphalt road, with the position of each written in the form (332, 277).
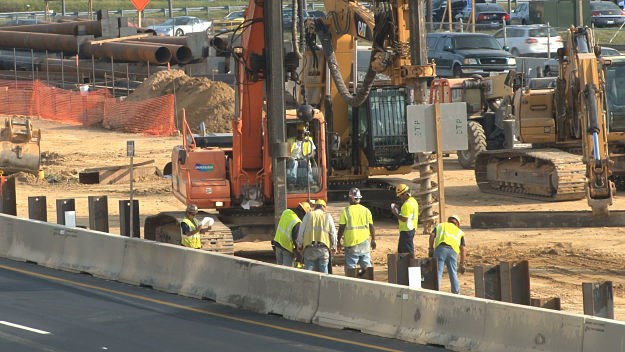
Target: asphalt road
(47, 310)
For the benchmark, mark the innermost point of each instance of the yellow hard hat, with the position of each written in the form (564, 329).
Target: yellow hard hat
(455, 217)
(320, 202)
(305, 206)
(401, 189)
(301, 127)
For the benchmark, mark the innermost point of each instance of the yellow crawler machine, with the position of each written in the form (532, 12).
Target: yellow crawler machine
(367, 124)
(574, 126)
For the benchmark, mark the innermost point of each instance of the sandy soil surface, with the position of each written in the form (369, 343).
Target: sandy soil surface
(560, 259)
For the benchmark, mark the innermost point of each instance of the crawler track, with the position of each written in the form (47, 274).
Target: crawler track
(544, 174)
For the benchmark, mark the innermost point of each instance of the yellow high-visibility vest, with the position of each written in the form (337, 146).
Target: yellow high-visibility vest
(307, 144)
(192, 241)
(288, 220)
(316, 229)
(410, 210)
(450, 234)
(356, 219)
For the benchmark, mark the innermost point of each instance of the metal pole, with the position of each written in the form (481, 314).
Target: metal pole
(449, 15)
(113, 75)
(580, 15)
(93, 71)
(139, 21)
(275, 102)
(15, 66)
(127, 81)
(62, 70)
(170, 7)
(47, 69)
(131, 200)
(32, 64)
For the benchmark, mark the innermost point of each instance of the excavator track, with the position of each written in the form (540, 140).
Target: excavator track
(165, 227)
(543, 174)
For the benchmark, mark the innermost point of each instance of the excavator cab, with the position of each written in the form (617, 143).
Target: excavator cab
(615, 94)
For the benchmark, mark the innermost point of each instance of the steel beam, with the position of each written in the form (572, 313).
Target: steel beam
(98, 213)
(545, 219)
(63, 205)
(547, 303)
(37, 208)
(124, 218)
(598, 299)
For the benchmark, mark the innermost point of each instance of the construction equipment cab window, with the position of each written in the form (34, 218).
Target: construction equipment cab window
(303, 164)
(616, 95)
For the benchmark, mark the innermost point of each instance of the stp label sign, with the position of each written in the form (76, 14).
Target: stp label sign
(140, 4)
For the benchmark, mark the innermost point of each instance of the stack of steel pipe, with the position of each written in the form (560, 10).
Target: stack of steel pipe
(93, 28)
(39, 41)
(121, 51)
(180, 54)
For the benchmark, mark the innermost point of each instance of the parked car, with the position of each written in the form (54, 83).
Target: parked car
(551, 66)
(486, 14)
(229, 23)
(606, 13)
(533, 40)
(439, 8)
(182, 25)
(466, 54)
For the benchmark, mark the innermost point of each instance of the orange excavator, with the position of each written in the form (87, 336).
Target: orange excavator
(233, 173)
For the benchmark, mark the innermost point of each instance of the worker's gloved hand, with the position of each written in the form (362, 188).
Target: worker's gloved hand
(373, 245)
(461, 269)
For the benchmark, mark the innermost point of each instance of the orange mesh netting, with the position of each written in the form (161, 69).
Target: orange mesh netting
(150, 116)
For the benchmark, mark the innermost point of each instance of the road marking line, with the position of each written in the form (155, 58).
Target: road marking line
(24, 327)
(201, 311)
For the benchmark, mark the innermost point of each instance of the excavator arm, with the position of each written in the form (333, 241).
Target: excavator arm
(583, 71)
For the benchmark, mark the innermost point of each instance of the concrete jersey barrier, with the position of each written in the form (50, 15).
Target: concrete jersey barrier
(459, 323)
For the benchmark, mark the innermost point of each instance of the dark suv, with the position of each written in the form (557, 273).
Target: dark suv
(467, 54)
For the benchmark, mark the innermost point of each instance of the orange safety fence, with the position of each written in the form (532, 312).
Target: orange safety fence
(34, 98)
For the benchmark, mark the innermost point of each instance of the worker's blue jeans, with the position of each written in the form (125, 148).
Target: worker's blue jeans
(316, 258)
(284, 257)
(298, 165)
(446, 256)
(406, 242)
(358, 254)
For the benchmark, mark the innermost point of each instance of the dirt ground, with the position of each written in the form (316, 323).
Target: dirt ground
(560, 259)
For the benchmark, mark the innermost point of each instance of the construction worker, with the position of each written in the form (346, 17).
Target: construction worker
(356, 224)
(301, 149)
(286, 233)
(316, 238)
(190, 228)
(407, 216)
(446, 242)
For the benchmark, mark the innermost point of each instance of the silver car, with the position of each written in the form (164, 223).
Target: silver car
(182, 25)
(533, 40)
(551, 66)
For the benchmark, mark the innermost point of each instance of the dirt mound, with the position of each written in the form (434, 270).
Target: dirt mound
(202, 99)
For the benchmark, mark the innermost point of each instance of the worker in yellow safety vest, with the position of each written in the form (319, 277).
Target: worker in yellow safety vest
(407, 216)
(301, 149)
(316, 238)
(356, 225)
(190, 228)
(446, 242)
(286, 233)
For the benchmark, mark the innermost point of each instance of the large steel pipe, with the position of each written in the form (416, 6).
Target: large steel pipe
(157, 55)
(39, 41)
(69, 28)
(179, 53)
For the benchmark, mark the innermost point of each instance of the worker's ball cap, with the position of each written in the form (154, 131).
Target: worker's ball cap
(455, 217)
(355, 193)
(301, 128)
(305, 206)
(401, 189)
(320, 202)
(192, 209)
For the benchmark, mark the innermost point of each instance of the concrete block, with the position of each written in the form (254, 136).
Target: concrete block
(371, 307)
(292, 293)
(97, 253)
(189, 272)
(603, 335)
(512, 328)
(453, 321)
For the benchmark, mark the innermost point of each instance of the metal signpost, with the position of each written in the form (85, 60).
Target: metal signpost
(440, 128)
(130, 152)
(140, 5)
